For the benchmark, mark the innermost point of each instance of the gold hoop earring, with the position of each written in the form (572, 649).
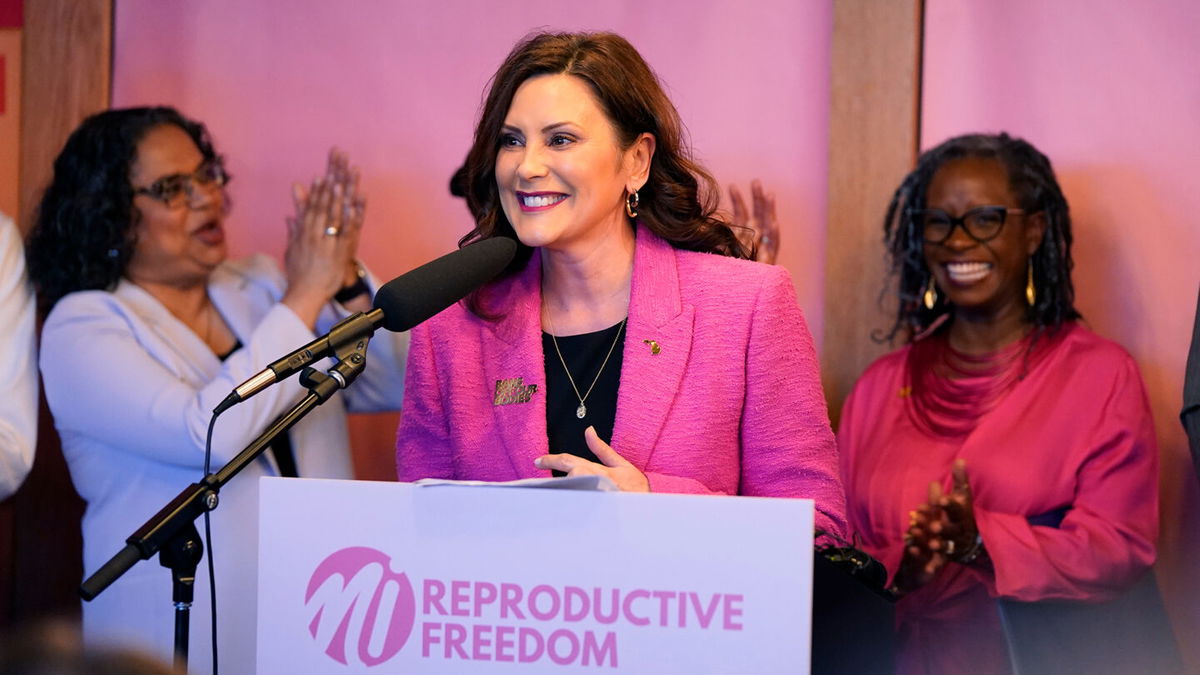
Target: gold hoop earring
(631, 204)
(930, 297)
(1030, 290)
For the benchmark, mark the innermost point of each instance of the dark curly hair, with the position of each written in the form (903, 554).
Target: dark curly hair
(84, 232)
(679, 200)
(1032, 180)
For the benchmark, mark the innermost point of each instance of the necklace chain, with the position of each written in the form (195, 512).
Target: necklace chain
(581, 411)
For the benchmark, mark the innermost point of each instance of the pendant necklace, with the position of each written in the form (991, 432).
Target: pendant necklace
(581, 411)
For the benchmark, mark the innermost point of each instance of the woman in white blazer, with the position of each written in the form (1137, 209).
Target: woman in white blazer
(150, 327)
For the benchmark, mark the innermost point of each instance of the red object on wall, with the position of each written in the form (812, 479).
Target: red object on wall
(12, 13)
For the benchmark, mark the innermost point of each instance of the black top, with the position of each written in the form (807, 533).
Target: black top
(281, 447)
(583, 354)
(1191, 393)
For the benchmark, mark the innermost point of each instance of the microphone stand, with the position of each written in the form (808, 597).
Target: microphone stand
(172, 531)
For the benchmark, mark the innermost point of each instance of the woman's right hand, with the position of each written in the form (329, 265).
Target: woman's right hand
(323, 238)
(924, 554)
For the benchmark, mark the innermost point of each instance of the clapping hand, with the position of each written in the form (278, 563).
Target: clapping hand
(941, 530)
(323, 237)
(759, 226)
(955, 530)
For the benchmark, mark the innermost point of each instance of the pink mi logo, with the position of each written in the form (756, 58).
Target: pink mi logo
(363, 611)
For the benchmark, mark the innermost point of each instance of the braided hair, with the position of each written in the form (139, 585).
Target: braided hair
(1032, 180)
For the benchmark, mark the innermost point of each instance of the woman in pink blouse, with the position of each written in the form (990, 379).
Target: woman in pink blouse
(1006, 451)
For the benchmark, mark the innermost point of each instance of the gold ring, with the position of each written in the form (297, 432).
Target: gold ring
(331, 231)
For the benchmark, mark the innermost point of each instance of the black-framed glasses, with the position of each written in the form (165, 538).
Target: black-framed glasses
(181, 188)
(982, 223)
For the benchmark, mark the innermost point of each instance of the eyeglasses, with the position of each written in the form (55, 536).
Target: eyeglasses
(982, 223)
(179, 189)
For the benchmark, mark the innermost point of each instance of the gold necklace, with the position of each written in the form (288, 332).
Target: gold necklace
(581, 411)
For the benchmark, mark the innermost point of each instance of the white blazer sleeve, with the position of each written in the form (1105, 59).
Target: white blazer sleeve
(381, 386)
(105, 378)
(18, 363)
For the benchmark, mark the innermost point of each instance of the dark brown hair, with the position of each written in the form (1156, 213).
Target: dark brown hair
(679, 200)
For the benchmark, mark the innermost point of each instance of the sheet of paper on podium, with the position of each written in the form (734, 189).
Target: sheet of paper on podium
(592, 483)
(364, 577)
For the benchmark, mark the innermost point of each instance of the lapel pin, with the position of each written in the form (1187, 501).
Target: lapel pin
(513, 390)
(654, 348)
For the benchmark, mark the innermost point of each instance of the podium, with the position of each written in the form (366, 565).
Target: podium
(364, 577)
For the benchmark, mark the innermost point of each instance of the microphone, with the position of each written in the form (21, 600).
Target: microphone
(399, 305)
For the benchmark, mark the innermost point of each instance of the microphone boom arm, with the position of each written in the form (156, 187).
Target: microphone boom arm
(345, 332)
(155, 534)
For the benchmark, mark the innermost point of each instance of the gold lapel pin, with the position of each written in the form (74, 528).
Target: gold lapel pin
(513, 390)
(654, 348)
(905, 392)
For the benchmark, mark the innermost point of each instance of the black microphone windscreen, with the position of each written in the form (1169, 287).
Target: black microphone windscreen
(415, 296)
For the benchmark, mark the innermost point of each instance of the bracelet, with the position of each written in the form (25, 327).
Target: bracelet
(972, 554)
(355, 289)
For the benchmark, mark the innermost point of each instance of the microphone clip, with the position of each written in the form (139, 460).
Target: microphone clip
(346, 341)
(351, 358)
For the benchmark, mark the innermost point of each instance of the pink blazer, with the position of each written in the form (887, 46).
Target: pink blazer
(731, 403)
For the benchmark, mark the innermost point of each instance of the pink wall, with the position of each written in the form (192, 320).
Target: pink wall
(1111, 92)
(399, 86)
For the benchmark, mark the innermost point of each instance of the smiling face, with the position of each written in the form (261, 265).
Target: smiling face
(985, 279)
(176, 245)
(560, 170)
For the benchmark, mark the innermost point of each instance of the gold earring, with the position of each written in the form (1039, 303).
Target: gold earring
(930, 296)
(631, 204)
(1030, 290)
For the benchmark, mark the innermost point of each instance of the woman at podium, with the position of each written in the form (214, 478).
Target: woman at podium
(150, 327)
(1006, 451)
(631, 337)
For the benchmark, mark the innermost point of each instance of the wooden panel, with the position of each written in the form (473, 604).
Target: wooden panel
(65, 75)
(47, 563)
(373, 445)
(873, 141)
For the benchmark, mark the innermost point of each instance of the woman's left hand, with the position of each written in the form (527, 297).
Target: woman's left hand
(618, 469)
(953, 515)
(941, 530)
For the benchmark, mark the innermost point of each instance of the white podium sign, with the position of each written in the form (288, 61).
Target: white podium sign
(363, 577)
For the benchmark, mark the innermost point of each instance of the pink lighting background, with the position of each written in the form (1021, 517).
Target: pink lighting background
(1109, 90)
(399, 86)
